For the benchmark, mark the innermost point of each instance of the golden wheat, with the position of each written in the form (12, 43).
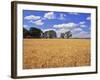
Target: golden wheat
(51, 53)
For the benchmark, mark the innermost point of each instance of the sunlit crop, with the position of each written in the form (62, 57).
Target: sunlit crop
(51, 53)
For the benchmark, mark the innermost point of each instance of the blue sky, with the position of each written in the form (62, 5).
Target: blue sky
(78, 23)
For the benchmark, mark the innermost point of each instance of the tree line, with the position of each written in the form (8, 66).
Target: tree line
(38, 33)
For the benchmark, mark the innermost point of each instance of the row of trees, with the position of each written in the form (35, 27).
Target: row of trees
(67, 34)
(32, 33)
(38, 33)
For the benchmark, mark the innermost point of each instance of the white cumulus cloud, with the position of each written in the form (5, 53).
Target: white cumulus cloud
(48, 29)
(49, 15)
(83, 26)
(74, 13)
(88, 18)
(62, 17)
(32, 17)
(76, 30)
(38, 22)
(26, 26)
(62, 28)
(82, 34)
(66, 25)
(82, 22)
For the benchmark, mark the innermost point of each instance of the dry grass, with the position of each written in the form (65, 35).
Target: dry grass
(51, 53)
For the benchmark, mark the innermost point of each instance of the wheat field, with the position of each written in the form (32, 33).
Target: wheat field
(52, 53)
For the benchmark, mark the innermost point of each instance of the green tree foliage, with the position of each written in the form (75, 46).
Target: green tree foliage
(62, 35)
(50, 34)
(35, 32)
(25, 33)
(68, 34)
